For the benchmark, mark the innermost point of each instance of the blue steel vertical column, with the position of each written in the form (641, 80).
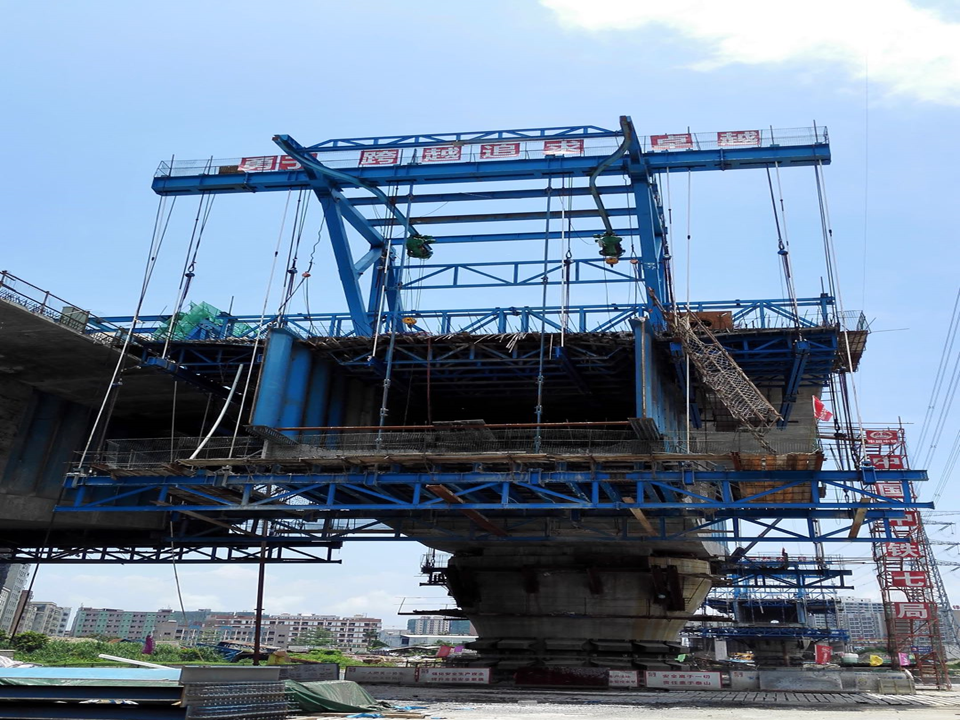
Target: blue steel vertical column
(337, 404)
(640, 369)
(315, 412)
(295, 393)
(273, 379)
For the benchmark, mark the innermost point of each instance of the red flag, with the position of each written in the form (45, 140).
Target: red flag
(443, 651)
(820, 411)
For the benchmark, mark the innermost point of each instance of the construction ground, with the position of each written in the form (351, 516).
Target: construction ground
(507, 704)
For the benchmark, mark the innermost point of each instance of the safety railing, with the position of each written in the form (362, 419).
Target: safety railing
(143, 453)
(612, 440)
(42, 302)
(506, 149)
(615, 317)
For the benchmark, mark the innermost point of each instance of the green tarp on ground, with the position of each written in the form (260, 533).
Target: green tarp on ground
(332, 696)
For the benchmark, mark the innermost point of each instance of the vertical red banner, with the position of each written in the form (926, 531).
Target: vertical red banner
(824, 654)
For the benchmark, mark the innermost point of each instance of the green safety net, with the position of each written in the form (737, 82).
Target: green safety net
(341, 696)
(185, 323)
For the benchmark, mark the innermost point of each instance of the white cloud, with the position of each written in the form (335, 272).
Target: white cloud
(910, 52)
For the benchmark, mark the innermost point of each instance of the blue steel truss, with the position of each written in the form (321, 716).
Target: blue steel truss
(722, 505)
(764, 314)
(775, 631)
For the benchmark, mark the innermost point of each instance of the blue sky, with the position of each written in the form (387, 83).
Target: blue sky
(96, 94)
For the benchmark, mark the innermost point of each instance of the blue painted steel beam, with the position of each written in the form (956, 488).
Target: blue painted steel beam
(520, 236)
(801, 355)
(510, 217)
(521, 194)
(349, 277)
(518, 273)
(650, 223)
(500, 170)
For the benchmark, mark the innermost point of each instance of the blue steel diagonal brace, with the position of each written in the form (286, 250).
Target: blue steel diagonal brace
(326, 183)
(649, 218)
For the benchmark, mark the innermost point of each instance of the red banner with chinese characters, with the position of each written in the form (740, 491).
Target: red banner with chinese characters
(258, 164)
(824, 654)
(886, 462)
(892, 490)
(492, 151)
(911, 610)
(905, 526)
(738, 138)
(909, 579)
(673, 141)
(441, 153)
(387, 156)
(563, 147)
(881, 437)
(905, 550)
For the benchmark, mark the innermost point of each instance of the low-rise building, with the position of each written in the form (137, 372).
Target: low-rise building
(351, 633)
(125, 624)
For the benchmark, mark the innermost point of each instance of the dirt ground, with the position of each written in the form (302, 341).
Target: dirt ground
(531, 704)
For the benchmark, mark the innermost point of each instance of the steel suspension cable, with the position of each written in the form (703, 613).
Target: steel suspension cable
(261, 332)
(160, 226)
(538, 409)
(783, 245)
(189, 264)
(941, 369)
(394, 321)
(831, 249)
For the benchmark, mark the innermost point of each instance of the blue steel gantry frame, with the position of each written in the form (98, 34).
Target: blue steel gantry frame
(319, 508)
(637, 166)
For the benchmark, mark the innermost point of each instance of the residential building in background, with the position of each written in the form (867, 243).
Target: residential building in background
(45, 617)
(13, 580)
(125, 624)
(429, 640)
(439, 625)
(461, 627)
(864, 619)
(428, 625)
(349, 633)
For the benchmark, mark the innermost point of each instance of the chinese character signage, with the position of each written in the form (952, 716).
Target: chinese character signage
(624, 678)
(441, 153)
(881, 437)
(389, 156)
(824, 654)
(886, 462)
(288, 163)
(563, 147)
(889, 490)
(739, 138)
(909, 579)
(905, 550)
(670, 679)
(675, 141)
(552, 147)
(258, 164)
(391, 675)
(911, 610)
(904, 527)
(495, 151)
(460, 676)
